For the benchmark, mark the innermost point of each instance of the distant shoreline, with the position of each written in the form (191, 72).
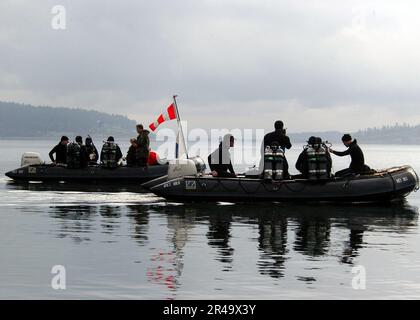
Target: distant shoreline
(122, 138)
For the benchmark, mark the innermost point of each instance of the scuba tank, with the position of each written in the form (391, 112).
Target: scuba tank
(317, 162)
(273, 163)
(109, 155)
(268, 163)
(73, 155)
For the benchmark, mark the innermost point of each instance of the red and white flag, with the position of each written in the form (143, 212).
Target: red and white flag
(170, 114)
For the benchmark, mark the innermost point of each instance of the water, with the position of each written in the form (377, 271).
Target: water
(118, 243)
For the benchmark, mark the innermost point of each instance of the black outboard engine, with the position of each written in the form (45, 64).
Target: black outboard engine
(273, 163)
(317, 161)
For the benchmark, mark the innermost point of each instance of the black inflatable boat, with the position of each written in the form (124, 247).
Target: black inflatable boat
(386, 185)
(46, 172)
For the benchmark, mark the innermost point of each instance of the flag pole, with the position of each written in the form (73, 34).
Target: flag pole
(178, 118)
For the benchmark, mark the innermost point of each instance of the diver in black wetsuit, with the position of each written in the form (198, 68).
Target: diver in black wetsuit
(60, 151)
(220, 162)
(91, 150)
(279, 138)
(357, 165)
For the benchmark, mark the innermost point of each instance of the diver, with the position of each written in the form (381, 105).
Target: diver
(60, 151)
(220, 162)
(131, 153)
(91, 151)
(143, 146)
(84, 155)
(357, 165)
(315, 161)
(76, 154)
(110, 153)
(277, 141)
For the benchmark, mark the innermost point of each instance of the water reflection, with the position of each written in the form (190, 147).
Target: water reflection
(312, 235)
(110, 218)
(282, 230)
(75, 222)
(139, 216)
(272, 242)
(219, 235)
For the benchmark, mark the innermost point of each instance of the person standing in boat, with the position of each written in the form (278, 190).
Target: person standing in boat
(220, 162)
(357, 165)
(143, 146)
(60, 151)
(91, 150)
(278, 138)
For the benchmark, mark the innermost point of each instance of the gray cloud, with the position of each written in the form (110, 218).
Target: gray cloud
(318, 65)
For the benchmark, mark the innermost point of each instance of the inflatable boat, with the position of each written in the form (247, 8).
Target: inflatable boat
(384, 185)
(33, 169)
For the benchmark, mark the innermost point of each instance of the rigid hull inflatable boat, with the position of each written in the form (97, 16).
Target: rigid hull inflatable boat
(385, 185)
(33, 169)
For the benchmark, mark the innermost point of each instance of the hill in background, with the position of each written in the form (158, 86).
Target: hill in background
(27, 121)
(22, 120)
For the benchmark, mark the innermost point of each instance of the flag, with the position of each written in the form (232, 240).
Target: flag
(170, 114)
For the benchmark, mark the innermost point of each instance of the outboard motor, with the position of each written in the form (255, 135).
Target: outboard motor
(30, 159)
(186, 167)
(273, 163)
(317, 162)
(199, 164)
(181, 167)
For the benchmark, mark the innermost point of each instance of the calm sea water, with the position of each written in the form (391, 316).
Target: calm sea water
(115, 242)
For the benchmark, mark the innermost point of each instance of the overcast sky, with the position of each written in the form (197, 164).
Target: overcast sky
(317, 65)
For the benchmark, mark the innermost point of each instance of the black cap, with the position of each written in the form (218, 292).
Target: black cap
(64, 138)
(111, 139)
(79, 139)
(88, 140)
(312, 140)
(346, 137)
(278, 125)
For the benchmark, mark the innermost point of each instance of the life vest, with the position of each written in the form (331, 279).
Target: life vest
(74, 155)
(317, 164)
(109, 155)
(273, 163)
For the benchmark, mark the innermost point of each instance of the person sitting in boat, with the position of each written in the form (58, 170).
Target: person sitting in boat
(84, 155)
(60, 151)
(131, 153)
(315, 161)
(357, 165)
(143, 145)
(278, 138)
(76, 154)
(91, 150)
(220, 162)
(110, 154)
